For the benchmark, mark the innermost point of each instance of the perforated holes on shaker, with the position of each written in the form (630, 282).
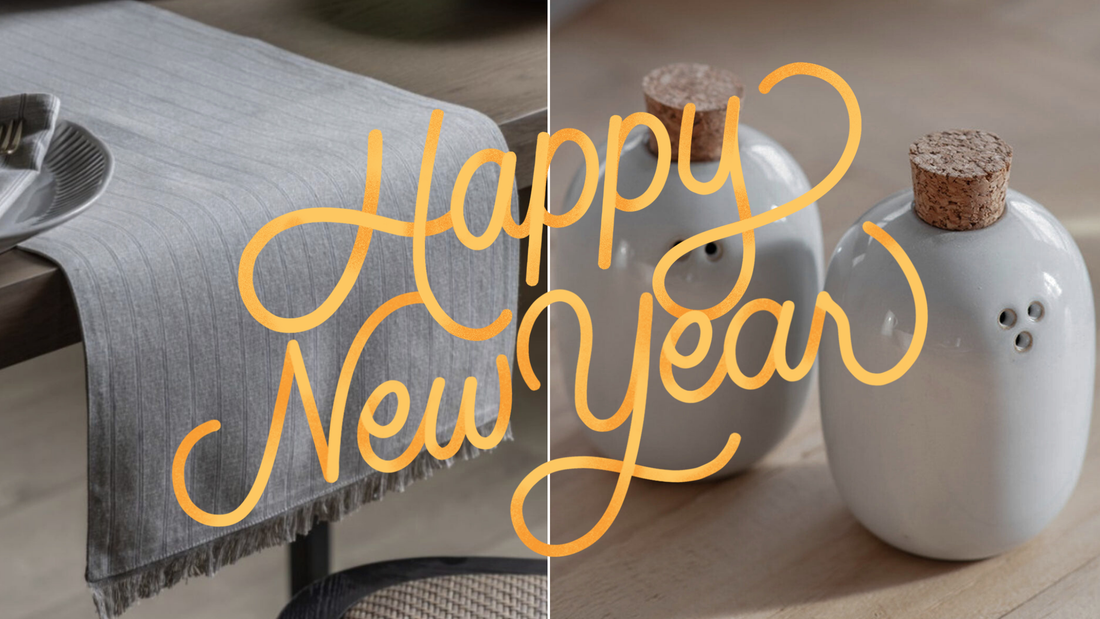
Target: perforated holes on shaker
(1007, 319)
(1035, 311)
(1023, 341)
(713, 251)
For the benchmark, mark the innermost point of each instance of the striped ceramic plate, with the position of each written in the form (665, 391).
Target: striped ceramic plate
(74, 174)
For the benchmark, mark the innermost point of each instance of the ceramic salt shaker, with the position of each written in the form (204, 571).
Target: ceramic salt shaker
(979, 445)
(789, 265)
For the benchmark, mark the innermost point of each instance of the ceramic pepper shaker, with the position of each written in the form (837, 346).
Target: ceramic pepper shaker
(980, 444)
(789, 265)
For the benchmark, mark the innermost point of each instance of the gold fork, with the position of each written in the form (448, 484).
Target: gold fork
(11, 133)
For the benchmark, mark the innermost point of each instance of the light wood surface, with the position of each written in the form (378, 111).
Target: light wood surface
(777, 541)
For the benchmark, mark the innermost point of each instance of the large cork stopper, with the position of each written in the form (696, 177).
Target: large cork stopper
(960, 178)
(669, 88)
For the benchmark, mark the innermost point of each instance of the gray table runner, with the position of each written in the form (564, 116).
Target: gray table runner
(213, 136)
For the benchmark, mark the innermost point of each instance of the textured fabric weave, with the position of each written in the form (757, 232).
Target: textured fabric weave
(213, 136)
(469, 596)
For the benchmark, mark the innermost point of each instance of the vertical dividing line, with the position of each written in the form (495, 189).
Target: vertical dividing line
(546, 266)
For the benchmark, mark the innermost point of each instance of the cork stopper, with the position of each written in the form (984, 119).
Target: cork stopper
(671, 87)
(960, 178)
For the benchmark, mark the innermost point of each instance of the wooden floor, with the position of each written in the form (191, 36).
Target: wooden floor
(43, 515)
(777, 541)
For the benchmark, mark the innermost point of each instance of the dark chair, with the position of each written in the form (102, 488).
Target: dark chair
(429, 588)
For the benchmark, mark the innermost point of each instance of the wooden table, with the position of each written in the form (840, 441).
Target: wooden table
(777, 541)
(488, 56)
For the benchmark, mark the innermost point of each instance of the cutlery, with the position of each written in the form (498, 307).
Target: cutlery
(10, 136)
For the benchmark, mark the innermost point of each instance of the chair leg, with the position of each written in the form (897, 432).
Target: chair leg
(309, 558)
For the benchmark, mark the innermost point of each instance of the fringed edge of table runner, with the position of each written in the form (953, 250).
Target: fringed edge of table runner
(114, 595)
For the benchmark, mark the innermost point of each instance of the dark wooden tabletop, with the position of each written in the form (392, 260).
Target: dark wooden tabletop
(488, 55)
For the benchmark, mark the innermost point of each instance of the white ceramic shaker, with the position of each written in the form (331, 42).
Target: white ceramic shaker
(980, 444)
(789, 265)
